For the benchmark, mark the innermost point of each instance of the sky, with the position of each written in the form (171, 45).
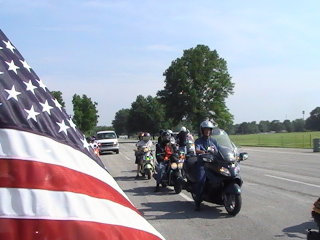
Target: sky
(113, 51)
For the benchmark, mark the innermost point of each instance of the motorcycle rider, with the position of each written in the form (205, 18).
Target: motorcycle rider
(204, 144)
(182, 139)
(145, 142)
(172, 139)
(165, 150)
(140, 135)
(190, 143)
(160, 134)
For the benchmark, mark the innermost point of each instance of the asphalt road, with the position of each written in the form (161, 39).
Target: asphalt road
(280, 186)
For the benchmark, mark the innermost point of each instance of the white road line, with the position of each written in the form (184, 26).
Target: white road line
(182, 195)
(290, 180)
(186, 197)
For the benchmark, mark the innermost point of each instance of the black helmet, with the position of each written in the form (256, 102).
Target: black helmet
(165, 136)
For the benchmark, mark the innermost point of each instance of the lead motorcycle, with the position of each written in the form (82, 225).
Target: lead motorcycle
(223, 181)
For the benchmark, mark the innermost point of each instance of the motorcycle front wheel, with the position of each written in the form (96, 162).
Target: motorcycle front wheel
(232, 203)
(148, 173)
(177, 187)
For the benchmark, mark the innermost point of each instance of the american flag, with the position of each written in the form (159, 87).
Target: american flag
(52, 185)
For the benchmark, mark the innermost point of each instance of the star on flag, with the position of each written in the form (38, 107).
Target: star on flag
(12, 66)
(12, 93)
(32, 114)
(25, 65)
(63, 127)
(46, 107)
(9, 46)
(57, 104)
(30, 86)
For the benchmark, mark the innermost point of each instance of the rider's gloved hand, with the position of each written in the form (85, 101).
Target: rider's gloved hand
(211, 150)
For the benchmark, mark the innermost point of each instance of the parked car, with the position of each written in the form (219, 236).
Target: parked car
(108, 141)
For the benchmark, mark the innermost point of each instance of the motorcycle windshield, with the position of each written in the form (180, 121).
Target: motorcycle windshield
(226, 148)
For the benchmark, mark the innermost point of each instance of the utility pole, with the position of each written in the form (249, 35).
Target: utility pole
(303, 115)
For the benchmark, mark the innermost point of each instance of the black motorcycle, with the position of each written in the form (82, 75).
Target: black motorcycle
(174, 173)
(222, 169)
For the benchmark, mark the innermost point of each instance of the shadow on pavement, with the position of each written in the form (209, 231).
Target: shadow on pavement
(107, 153)
(175, 209)
(181, 210)
(132, 177)
(297, 230)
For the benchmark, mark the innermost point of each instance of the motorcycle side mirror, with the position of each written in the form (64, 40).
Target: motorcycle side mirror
(243, 156)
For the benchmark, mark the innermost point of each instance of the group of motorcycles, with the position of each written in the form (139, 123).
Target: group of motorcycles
(222, 169)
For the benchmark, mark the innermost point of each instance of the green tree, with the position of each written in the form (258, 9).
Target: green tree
(58, 95)
(120, 122)
(232, 129)
(298, 125)
(242, 128)
(253, 127)
(103, 128)
(146, 114)
(196, 86)
(313, 122)
(247, 128)
(276, 126)
(287, 124)
(85, 113)
(264, 126)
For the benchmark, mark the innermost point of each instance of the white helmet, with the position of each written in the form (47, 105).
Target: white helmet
(183, 129)
(146, 137)
(206, 124)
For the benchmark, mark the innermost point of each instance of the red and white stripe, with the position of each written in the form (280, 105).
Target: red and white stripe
(49, 190)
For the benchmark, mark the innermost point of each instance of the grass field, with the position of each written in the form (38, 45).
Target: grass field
(286, 140)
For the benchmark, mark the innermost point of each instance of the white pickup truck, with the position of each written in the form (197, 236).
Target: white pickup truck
(108, 141)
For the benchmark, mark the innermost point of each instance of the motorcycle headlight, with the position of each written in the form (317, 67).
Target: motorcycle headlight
(174, 166)
(224, 171)
(237, 169)
(180, 165)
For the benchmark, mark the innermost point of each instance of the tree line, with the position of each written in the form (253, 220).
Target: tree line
(312, 123)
